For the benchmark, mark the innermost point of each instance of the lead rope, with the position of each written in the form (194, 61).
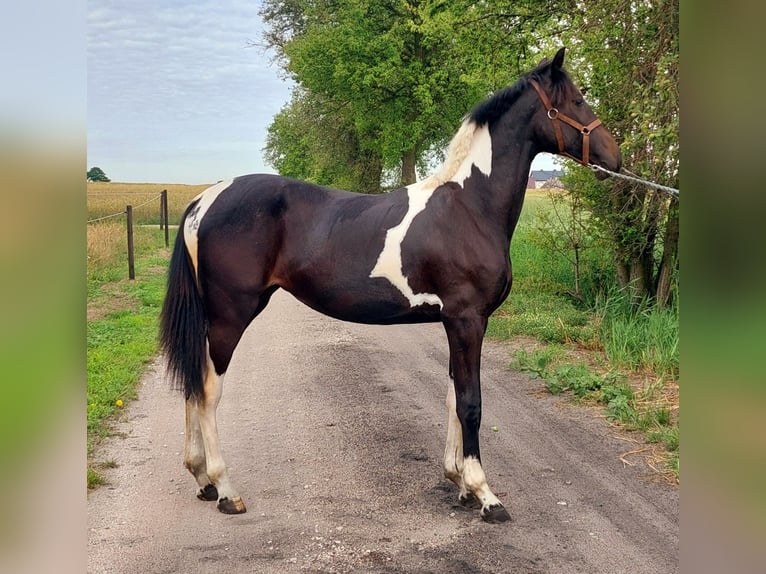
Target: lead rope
(671, 190)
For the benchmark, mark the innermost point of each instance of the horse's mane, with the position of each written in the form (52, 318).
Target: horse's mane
(488, 112)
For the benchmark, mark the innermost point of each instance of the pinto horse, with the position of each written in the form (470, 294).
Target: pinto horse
(436, 250)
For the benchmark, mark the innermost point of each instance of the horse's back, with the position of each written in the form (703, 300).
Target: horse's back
(316, 242)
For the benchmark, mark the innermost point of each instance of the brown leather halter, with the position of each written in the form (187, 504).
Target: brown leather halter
(554, 115)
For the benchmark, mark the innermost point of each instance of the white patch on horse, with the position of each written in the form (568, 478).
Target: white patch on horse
(480, 155)
(475, 480)
(471, 145)
(389, 264)
(191, 225)
(453, 451)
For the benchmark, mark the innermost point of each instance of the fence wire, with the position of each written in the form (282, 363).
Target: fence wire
(123, 212)
(106, 217)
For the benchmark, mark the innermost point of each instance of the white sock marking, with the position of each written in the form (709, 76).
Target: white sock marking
(453, 451)
(476, 481)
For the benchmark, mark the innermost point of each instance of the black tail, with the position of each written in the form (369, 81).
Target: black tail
(183, 322)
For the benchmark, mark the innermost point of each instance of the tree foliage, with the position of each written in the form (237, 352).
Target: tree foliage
(96, 174)
(397, 74)
(311, 139)
(630, 61)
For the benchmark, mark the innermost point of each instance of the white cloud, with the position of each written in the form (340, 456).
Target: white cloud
(169, 81)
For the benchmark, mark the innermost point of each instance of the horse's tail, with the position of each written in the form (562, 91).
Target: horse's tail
(183, 322)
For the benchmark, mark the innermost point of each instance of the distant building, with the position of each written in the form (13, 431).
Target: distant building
(544, 178)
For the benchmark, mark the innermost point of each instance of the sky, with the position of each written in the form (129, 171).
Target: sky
(178, 94)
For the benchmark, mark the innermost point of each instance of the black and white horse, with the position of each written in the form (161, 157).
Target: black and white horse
(436, 250)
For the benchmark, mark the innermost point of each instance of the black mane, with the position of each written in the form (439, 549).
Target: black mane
(491, 110)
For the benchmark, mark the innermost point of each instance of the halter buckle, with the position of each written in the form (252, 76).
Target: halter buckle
(553, 113)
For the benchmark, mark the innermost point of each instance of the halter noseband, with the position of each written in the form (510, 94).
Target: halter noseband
(554, 115)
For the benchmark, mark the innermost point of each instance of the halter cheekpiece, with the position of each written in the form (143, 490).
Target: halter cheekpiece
(554, 114)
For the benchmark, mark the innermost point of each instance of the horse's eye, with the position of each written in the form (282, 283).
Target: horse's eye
(578, 102)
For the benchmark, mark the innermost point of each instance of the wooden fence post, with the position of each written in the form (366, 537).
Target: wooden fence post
(164, 214)
(131, 267)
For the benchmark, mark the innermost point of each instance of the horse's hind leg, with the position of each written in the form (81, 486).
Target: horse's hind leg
(226, 328)
(229, 501)
(194, 454)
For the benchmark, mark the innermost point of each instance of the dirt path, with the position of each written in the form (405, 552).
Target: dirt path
(334, 434)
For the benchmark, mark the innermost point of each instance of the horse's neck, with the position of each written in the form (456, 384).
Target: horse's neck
(501, 196)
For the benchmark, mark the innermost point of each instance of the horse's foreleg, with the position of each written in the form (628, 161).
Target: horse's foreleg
(465, 335)
(229, 501)
(453, 451)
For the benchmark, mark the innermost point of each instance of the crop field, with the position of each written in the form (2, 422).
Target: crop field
(106, 198)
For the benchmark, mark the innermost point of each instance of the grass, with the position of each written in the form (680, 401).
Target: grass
(123, 318)
(540, 304)
(625, 348)
(647, 338)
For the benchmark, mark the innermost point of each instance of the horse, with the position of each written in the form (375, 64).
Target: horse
(433, 251)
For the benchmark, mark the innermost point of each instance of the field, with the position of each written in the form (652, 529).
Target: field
(106, 198)
(592, 347)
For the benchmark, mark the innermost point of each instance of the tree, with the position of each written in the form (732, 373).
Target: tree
(397, 74)
(310, 139)
(96, 174)
(631, 64)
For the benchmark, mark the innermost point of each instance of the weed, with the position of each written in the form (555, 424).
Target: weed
(610, 389)
(536, 362)
(95, 479)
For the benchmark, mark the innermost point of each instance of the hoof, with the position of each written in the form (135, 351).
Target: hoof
(469, 500)
(209, 493)
(232, 505)
(495, 514)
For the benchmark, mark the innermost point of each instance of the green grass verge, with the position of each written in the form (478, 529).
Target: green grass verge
(599, 320)
(122, 335)
(621, 403)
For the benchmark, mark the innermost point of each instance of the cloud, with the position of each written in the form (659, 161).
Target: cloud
(167, 79)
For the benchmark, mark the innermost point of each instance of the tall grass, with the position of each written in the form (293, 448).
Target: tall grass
(642, 338)
(105, 242)
(543, 302)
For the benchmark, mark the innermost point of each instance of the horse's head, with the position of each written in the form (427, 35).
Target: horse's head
(565, 123)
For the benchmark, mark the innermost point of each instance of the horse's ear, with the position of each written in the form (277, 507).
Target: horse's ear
(558, 60)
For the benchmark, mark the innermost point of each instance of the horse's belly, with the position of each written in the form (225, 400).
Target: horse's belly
(364, 302)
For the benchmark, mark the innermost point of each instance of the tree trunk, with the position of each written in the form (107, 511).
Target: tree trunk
(669, 256)
(408, 168)
(372, 169)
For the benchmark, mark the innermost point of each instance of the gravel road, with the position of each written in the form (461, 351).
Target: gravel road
(334, 435)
